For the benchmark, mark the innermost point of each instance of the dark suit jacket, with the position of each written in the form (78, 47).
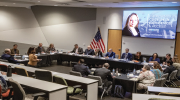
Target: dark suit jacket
(13, 51)
(110, 55)
(38, 49)
(169, 70)
(89, 52)
(80, 50)
(127, 32)
(9, 58)
(99, 54)
(84, 70)
(104, 73)
(129, 56)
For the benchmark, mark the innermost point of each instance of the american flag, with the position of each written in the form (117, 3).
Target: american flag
(97, 42)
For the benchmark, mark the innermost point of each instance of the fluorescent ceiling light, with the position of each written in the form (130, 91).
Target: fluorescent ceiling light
(174, 2)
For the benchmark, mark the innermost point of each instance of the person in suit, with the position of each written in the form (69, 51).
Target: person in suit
(168, 57)
(126, 55)
(138, 57)
(32, 57)
(98, 52)
(14, 50)
(7, 56)
(170, 68)
(110, 54)
(84, 70)
(51, 48)
(40, 49)
(131, 27)
(105, 75)
(77, 49)
(89, 51)
(154, 58)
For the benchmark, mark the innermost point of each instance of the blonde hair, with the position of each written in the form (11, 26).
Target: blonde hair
(96, 52)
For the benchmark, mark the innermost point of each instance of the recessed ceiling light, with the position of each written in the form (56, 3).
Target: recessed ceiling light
(14, 3)
(5, 5)
(174, 2)
(39, 1)
(55, 5)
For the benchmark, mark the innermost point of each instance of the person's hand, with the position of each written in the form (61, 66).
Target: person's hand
(141, 71)
(77, 52)
(106, 57)
(3, 73)
(114, 76)
(42, 52)
(69, 52)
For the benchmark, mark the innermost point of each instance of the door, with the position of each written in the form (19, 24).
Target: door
(115, 41)
(177, 48)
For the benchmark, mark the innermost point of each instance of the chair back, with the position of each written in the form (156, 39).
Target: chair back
(163, 80)
(173, 75)
(178, 72)
(19, 93)
(116, 56)
(44, 75)
(21, 71)
(60, 80)
(160, 82)
(96, 78)
(75, 73)
(165, 75)
(3, 67)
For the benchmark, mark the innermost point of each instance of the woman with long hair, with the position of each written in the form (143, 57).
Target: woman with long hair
(138, 57)
(154, 58)
(157, 70)
(32, 57)
(131, 27)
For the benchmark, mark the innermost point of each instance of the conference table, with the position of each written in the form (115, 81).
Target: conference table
(152, 89)
(54, 91)
(89, 60)
(88, 84)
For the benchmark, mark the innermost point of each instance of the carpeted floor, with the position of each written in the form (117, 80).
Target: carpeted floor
(65, 68)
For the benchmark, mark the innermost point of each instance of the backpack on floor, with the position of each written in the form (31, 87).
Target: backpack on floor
(118, 91)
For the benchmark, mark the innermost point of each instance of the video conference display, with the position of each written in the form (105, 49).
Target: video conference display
(150, 23)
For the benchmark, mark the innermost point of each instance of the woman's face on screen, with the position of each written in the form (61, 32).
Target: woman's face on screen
(133, 21)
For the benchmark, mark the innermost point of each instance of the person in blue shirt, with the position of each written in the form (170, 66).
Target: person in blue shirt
(110, 54)
(7, 56)
(89, 51)
(154, 58)
(126, 55)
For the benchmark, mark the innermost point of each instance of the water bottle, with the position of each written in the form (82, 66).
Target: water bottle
(38, 53)
(134, 71)
(112, 57)
(127, 75)
(99, 56)
(9, 71)
(117, 71)
(22, 57)
(50, 52)
(61, 50)
(57, 51)
(113, 71)
(15, 56)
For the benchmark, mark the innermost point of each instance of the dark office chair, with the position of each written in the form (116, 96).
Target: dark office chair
(172, 76)
(44, 75)
(19, 93)
(21, 71)
(3, 67)
(71, 90)
(75, 73)
(159, 82)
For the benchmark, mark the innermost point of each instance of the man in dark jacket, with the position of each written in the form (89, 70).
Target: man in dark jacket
(77, 49)
(170, 68)
(105, 74)
(84, 70)
(89, 51)
(7, 56)
(40, 49)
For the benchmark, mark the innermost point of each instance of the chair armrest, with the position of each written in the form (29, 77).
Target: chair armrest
(39, 94)
(10, 87)
(75, 87)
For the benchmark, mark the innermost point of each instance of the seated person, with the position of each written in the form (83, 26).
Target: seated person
(138, 57)
(105, 75)
(40, 49)
(89, 51)
(84, 70)
(126, 55)
(110, 54)
(168, 57)
(14, 50)
(154, 58)
(170, 68)
(157, 70)
(51, 48)
(98, 52)
(146, 78)
(3, 84)
(176, 62)
(7, 56)
(77, 49)
(32, 57)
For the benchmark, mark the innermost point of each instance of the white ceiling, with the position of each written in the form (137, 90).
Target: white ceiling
(92, 3)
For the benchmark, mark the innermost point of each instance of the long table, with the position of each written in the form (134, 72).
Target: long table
(54, 91)
(90, 84)
(90, 60)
